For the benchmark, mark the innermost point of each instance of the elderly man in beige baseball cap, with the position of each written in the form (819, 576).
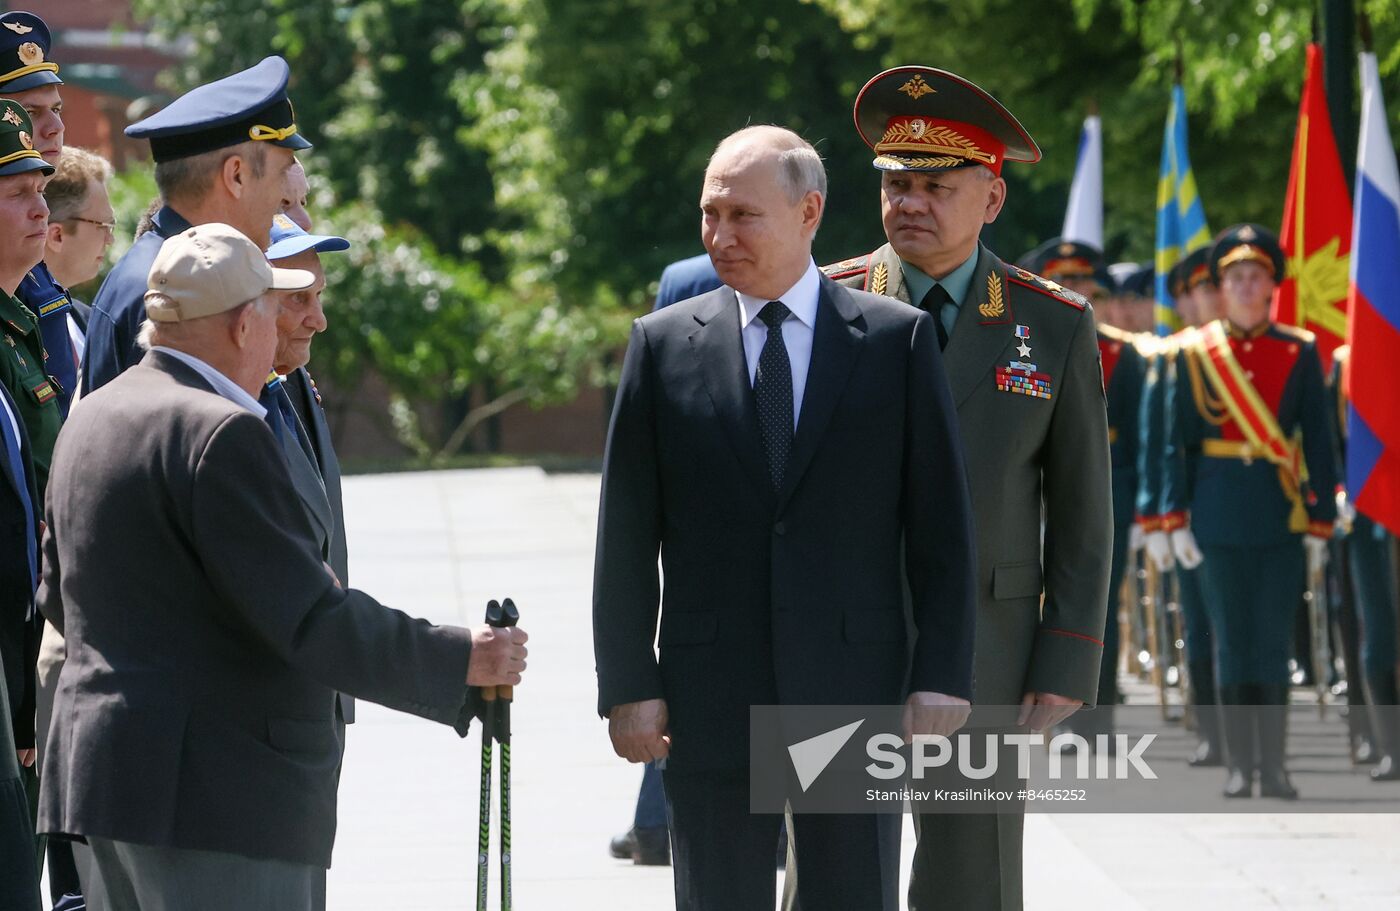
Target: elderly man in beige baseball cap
(193, 742)
(207, 306)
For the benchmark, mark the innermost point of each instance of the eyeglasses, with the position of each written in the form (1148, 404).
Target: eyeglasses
(108, 226)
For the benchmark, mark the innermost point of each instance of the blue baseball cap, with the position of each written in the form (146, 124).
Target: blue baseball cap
(251, 104)
(24, 51)
(288, 239)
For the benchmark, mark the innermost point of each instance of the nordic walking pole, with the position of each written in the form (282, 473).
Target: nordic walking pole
(483, 837)
(509, 617)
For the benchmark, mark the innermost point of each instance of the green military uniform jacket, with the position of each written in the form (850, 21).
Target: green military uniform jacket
(1032, 437)
(22, 372)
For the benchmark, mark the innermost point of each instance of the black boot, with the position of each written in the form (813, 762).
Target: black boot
(1272, 720)
(1208, 747)
(1237, 730)
(1385, 724)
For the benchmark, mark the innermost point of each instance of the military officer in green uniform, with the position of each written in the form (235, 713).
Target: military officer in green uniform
(1081, 268)
(1197, 303)
(1021, 356)
(23, 221)
(1249, 481)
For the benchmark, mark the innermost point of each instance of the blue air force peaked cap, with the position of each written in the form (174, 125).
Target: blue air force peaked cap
(17, 155)
(288, 239)
(24, 53)
(249, 105)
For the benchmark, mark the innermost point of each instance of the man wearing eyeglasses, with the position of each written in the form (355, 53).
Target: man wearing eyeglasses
(80, 227)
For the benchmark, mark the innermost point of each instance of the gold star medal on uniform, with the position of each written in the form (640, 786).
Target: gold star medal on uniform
(1023, 333)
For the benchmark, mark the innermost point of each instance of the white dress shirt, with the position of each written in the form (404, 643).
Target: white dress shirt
(801, 299)
(222, 384)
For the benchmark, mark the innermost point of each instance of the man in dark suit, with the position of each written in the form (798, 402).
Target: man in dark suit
(648, 842)
(294, 405)
(193, 741)
(1022, 359)
(775, 440)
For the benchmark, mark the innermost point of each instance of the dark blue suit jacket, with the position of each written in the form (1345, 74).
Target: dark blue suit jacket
(794, 597)
(19, 636)
(685, 279)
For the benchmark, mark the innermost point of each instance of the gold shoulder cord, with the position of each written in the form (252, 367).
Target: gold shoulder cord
(1211, 409)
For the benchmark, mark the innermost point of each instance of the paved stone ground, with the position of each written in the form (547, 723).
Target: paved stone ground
(440, 544)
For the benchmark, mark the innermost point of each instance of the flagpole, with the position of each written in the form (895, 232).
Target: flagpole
(1338, 77)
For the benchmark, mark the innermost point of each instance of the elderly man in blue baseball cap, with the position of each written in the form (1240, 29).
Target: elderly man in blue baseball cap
(224, 152)
(293, 402)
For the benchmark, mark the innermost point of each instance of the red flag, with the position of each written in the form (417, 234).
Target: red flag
(1316, 235)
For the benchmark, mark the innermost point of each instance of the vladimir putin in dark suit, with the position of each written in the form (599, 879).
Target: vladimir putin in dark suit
(193, 743)
(776, 472)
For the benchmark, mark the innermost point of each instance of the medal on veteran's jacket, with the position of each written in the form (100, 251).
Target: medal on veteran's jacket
(1024, 334)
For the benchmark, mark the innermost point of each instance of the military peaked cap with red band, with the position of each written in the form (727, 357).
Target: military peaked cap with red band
(1246, 243)
(917, 118)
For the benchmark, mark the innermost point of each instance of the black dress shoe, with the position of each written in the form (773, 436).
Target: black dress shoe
(651, 847)
(621, 845)
(1273, 782)
(1239, 784)
(1386, 770)
(1206, 755)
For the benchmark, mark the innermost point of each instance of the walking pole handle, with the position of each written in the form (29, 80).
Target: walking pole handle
(509, 615)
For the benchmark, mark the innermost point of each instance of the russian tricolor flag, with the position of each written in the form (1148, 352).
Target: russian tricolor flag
(1373, 416)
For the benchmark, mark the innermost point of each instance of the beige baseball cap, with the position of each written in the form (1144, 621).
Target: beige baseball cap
(210, 269)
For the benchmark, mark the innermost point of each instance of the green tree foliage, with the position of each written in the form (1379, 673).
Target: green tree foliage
(1051, 61)
(601, 116)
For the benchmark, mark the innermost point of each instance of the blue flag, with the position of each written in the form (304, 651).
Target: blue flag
(1181, 219)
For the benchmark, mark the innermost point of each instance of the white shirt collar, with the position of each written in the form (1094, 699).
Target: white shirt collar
(801, 299)
(222, 384)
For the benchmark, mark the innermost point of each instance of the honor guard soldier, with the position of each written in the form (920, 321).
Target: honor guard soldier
(1022, 360)
(1197, 303)
(1081, 268)
(1369, 548)
(31, 79)
(1134, 299)
(224, 152)
(1251, 502)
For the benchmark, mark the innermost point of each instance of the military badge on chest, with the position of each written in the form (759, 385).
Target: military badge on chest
(1021, 376)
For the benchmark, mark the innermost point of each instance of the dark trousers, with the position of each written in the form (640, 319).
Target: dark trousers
(1252, 594)
(651, 800)
(1373, 582)
(971, 861)
(723, 855)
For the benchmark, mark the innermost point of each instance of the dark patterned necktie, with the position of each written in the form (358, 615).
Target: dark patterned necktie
(933, 302)
(772, 387)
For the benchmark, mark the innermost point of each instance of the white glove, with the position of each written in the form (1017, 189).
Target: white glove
(1346, 512)
(1136, 538)
(1317, 553)
(1159, 550)
(1184, 546)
